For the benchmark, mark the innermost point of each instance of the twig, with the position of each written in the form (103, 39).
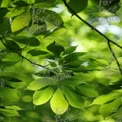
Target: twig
(93, 28)
(20, 54)
(117, 62)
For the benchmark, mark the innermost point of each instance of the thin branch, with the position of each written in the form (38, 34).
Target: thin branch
(93, 28)
(117, 62)
(21, 54)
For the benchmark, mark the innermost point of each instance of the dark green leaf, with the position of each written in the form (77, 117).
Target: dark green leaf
(31, 41)
(87, 91)
(20, 3)
(13, 45)
(74, 56)
(37, 52)
(6, 64)
(78, 5)
(5, 26)
(74, 99)
(55, 48)
(3, 12)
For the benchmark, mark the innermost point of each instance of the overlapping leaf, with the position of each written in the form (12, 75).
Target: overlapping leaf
(58, 102)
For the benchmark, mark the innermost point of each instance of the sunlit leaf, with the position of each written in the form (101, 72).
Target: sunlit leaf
(21, 21)
(106, 98)
(40, 83)
(58, 102)
(42, 96)
(110, 108)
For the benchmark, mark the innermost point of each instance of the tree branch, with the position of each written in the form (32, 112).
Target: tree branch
(20, 54)
(117, 62)
(93, 28)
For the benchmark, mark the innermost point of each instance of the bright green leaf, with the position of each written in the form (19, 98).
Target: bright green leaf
(39, 84)
(106, 98)
(58, 102)
(110, 108)
(21, 21)
(42, 96)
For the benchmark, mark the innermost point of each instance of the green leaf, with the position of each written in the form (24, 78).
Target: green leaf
(42, 96)
(13, 107)
(5, 3)
(58, 102)
(74, 99)
(6, 64)
(73, 81)
(74, 56)
(69, 49)
(31, 41)
(48, 1)
(9, 112)
(21, 21)
(106, 98)
(78, 5)
(35, 52)
(6, 93)
(13, 45)
(87, 91)
(3, 12)
(55, 48)
(20, 3)
(16, 75)
(39, 84)
(110, 108)
(5, 25)
(43, 15)
(36, 29)
(15, 12)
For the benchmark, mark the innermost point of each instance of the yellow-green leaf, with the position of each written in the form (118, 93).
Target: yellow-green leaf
(21, 21)
(112, 107)
(106, 98)
(58, 102)
(42, 96)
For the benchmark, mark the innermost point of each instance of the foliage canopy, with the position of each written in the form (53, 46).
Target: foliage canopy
(59, 61)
